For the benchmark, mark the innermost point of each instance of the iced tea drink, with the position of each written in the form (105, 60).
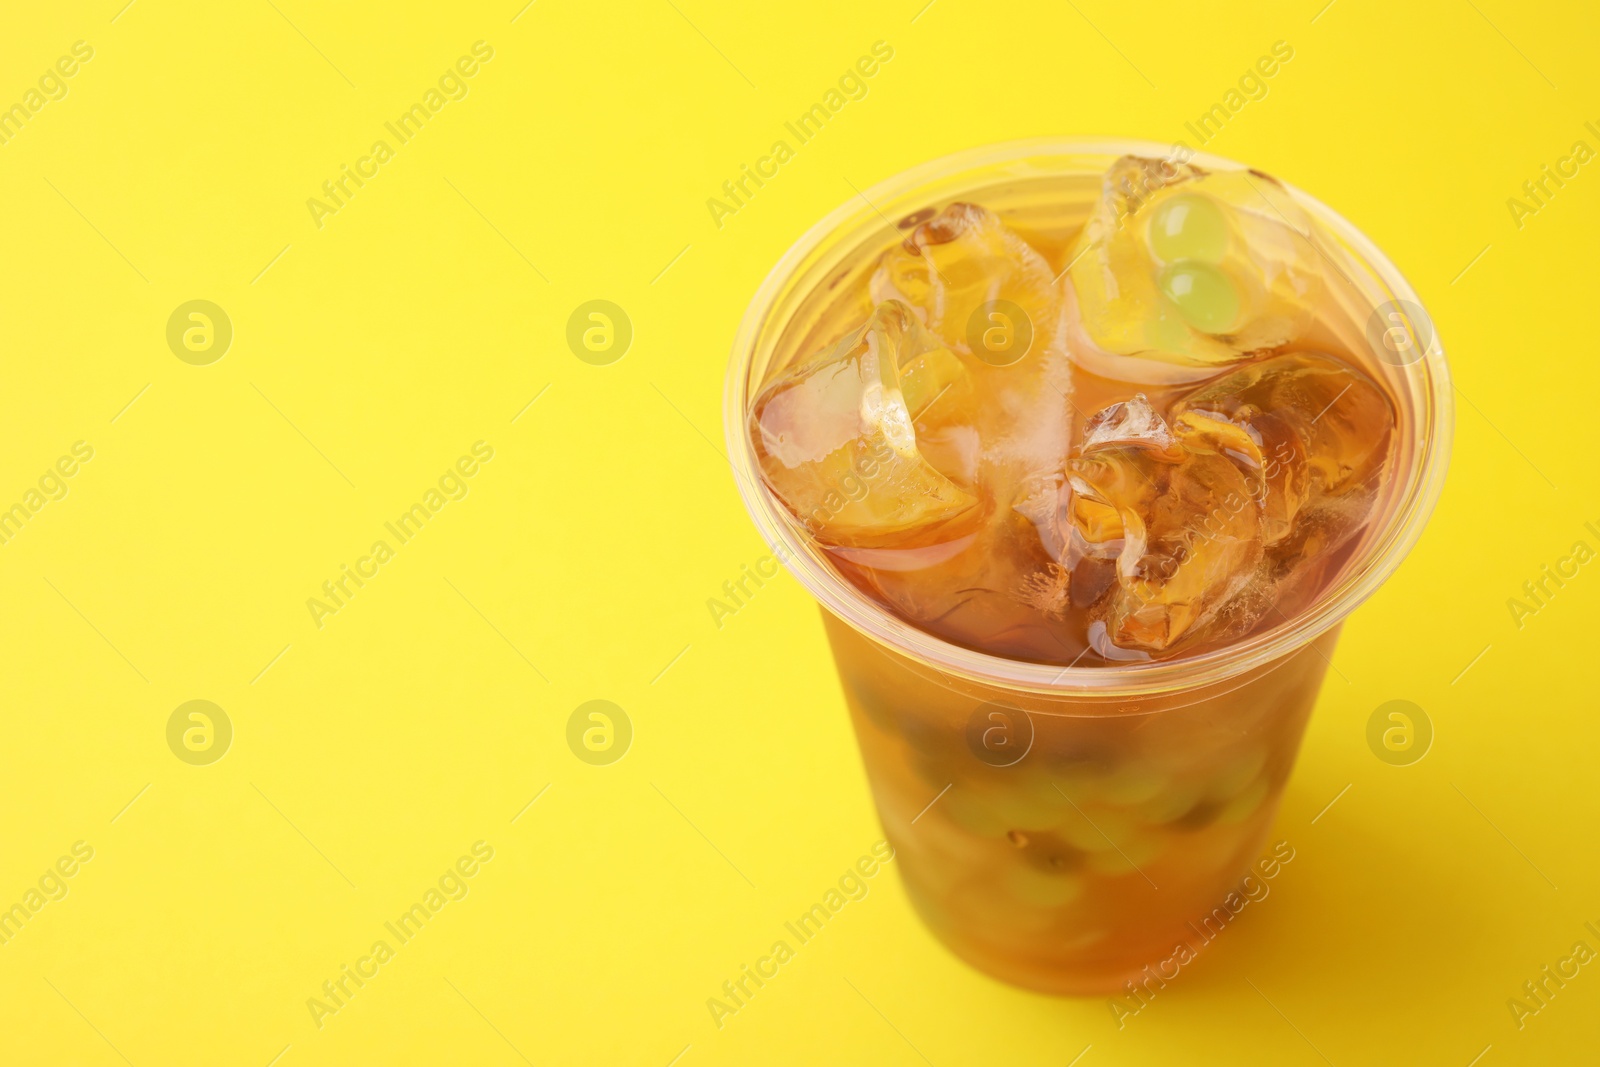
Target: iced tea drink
(1087, 451)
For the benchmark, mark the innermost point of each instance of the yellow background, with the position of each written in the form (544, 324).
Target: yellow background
(425, 715)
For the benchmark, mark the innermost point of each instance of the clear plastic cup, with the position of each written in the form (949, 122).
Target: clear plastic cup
(1077, 829)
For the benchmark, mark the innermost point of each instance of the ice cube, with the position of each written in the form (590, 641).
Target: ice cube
(960, 270)
(931, 378)
(1262, 473)
(994, 302)
(837, 443)
(1309, 430)
(1192, 267)
(1191, 529)
(1132, 423)
(1043, 500)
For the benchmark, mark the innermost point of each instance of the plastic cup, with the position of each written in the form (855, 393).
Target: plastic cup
(1082, 829)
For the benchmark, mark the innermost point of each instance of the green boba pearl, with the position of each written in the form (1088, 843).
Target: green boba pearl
(1189, 227)
(1204, 296)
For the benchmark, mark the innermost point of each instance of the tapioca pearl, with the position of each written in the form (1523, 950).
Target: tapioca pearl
(1205, 296)
(1189, 227)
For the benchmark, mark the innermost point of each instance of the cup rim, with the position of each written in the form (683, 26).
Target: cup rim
(1434, 411)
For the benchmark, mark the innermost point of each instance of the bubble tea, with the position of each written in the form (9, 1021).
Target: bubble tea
(1088, 459)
